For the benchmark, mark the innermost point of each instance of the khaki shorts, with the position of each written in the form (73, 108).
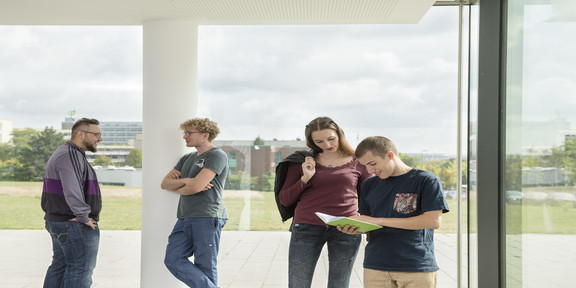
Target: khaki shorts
(391, 279)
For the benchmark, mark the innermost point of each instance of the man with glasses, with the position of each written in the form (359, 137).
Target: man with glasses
(199, 178)
(71, 201)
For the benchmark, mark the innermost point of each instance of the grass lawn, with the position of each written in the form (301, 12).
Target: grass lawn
(24, 212)
(20, 209)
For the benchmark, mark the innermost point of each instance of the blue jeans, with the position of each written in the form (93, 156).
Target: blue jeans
(306, 245)
(198, 237)
(75, 248)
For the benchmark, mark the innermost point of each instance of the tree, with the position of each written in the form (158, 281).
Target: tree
(258, 141)
(268, 180)
(442, 169)
(102, 160)
(569, 160)
(134, 158)
(241, 181)
(7, 169)
(513, 179)
(8, 162)
(556, 157)
(6, 151)
(34, 154)
(532, 160)
(21, 137)
(412, 161)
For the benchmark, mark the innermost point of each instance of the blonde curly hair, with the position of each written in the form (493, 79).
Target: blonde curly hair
(204, 125)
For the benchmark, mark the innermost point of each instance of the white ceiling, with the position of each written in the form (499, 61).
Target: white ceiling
(212, 12)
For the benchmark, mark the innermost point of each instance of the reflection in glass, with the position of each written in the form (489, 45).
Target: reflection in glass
(470, 227)
(540, 145)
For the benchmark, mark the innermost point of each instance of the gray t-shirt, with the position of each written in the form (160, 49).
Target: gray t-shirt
(207, 203)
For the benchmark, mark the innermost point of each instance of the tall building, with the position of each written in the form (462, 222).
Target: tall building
(120, 133)
(118, 138)
(5, 131)
(113, 133)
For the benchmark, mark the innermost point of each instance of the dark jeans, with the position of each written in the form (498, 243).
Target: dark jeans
(75, 248)
(306, 245)
(198, 237)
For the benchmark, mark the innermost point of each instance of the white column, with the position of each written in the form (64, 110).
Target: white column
(170, 97)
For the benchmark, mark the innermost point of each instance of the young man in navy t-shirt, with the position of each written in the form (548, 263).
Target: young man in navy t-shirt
(409, 203)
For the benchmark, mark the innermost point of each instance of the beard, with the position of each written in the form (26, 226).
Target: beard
(90, 147)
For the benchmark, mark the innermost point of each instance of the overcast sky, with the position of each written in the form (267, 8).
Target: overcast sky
(397, 81)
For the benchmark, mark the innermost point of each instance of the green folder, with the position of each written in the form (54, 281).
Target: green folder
(343, 221)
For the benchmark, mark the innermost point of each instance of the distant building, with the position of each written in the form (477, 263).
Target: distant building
(118, 138)
(117, 153)
(114, 133)
(257, 160)
(538, 137)
(243, 155)
(68, 123)
(119, 176)
(5, 131)
(535, 138)
(120, 133)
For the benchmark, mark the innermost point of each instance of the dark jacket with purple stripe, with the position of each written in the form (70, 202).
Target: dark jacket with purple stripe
(70, 186)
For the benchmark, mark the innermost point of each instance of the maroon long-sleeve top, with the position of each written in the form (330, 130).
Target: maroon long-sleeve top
(332, 190)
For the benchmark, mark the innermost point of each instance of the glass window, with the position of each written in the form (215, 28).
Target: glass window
(540, 148)
(469, 254)
(263, 84)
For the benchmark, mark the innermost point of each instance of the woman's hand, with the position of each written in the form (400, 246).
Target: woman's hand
(308, 169)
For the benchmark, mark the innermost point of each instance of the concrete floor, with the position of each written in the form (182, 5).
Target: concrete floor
(260, 259)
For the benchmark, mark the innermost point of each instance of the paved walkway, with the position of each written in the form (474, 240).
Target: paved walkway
(247, 259)
(258, 259)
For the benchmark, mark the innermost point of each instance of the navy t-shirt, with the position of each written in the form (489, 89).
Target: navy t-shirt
(407, 195)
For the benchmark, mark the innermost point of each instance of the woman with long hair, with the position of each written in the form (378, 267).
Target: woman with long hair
(328, 181)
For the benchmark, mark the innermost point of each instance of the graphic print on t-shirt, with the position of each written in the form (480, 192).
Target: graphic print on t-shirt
(405, 203)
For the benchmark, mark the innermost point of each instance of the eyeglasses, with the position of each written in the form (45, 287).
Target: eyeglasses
(98, 135)
(190, 133)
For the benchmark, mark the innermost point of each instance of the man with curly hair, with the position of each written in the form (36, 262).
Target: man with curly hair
(199, 178)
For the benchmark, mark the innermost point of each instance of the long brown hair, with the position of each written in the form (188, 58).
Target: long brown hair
(322, 123)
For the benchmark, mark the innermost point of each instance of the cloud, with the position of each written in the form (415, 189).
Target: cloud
(395, 80)
(267, 81)
(49, 70)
